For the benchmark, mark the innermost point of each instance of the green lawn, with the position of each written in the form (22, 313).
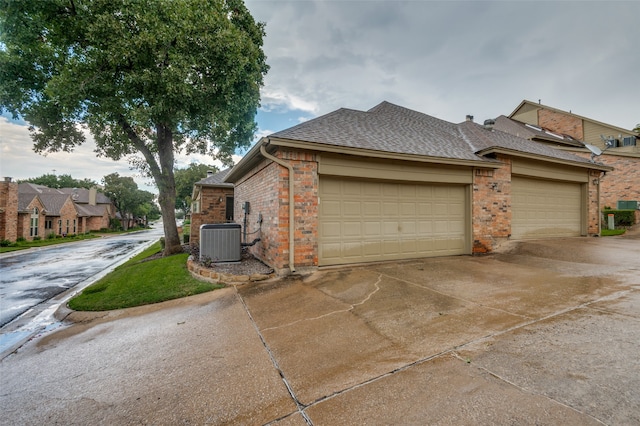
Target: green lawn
(46, 241)
(611, 232)
(21, 245)
(142, 282)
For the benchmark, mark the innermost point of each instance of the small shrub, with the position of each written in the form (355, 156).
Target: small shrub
(37, 238)
(620, 217)
(5, 243)
(51, 236)
(21, 239)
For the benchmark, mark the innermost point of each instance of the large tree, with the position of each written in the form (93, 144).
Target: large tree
(146, 78)
(128, 199)
(185, 178)
(51, 180)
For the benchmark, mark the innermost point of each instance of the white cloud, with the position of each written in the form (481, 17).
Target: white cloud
(450, 59)
(278, 100)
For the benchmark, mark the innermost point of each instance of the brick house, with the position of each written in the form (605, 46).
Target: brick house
(30, 211)
(212, 202)
(391, 183)
(569, 132)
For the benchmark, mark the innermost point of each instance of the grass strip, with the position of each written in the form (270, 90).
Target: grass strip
(138, 283)
(612, 232)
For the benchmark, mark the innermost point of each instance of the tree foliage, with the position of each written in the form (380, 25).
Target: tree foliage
(51, 180)
(146, 78)
(130, 201)
(185, 178)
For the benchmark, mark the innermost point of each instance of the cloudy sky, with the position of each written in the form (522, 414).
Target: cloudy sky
(446, 59)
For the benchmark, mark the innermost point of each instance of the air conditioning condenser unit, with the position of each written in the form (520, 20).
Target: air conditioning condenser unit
(220, 242)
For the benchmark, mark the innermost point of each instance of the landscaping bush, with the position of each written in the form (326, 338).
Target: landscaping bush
(5, 243)
(37, 238)
(21, 240)
(620, 217)
(51, 236)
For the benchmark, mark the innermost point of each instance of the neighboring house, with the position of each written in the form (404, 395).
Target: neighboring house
(569, 132)
(212, 202)
(391, 183)
(30, 211)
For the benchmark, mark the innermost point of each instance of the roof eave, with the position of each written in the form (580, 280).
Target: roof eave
(618, 129)
(314, 146)
(531, 156)
(246, 163)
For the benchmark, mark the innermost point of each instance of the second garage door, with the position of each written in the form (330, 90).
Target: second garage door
(365, 221)
(545, 208)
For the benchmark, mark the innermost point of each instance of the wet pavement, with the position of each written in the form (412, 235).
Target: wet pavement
(545, 332)
(32, 276)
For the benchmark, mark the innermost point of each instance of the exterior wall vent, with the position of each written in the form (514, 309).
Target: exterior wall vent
(220, 242)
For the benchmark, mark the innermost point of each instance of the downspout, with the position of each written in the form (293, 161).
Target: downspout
(289, 167)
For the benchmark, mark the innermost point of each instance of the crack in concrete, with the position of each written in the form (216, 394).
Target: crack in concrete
(300, 406)
(453, 351)
(525, 390)
(351, 307)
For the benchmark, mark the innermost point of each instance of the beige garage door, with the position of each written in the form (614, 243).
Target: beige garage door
(543, 208)
(366, 221)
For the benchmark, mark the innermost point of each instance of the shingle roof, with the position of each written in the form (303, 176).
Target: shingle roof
(83, 195)
(217, 179)
(482, 139)
(528, 131)
(24, 200)
(53, 203)
(394, 129)
(387, 128)
(53, 199)
(88, 210)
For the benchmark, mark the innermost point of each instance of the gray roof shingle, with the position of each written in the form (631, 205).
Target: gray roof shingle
(394, 129)
(387, 128)
(217, 179)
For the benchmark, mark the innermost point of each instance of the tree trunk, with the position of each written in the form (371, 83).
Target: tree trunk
(162, 172)
(167, 191)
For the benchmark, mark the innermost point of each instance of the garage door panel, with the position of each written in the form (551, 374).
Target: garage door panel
(396, 221)
(352, 208)
(545, 208)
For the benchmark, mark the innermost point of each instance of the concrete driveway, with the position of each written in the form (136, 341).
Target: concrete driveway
(545, 332)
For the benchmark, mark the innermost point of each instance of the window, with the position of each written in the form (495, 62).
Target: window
(74, 226)
(48, 224)
(67, 227)
(229, 210)
(59, 226)
(33, 229)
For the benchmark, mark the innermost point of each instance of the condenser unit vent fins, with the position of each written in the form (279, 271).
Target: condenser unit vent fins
(220, 242)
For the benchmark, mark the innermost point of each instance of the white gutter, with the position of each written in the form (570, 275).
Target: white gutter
(289, 167)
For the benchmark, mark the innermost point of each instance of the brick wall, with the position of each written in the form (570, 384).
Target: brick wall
(24, 221)
(261, 187)
(306, 207)
(561, 123)
(96, 223)
(266, 187)
(593, 214)
(491, 208)
(9, 207)
(623, 183)
(213, 207)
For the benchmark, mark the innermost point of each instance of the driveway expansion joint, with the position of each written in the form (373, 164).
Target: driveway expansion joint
(300, 406)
